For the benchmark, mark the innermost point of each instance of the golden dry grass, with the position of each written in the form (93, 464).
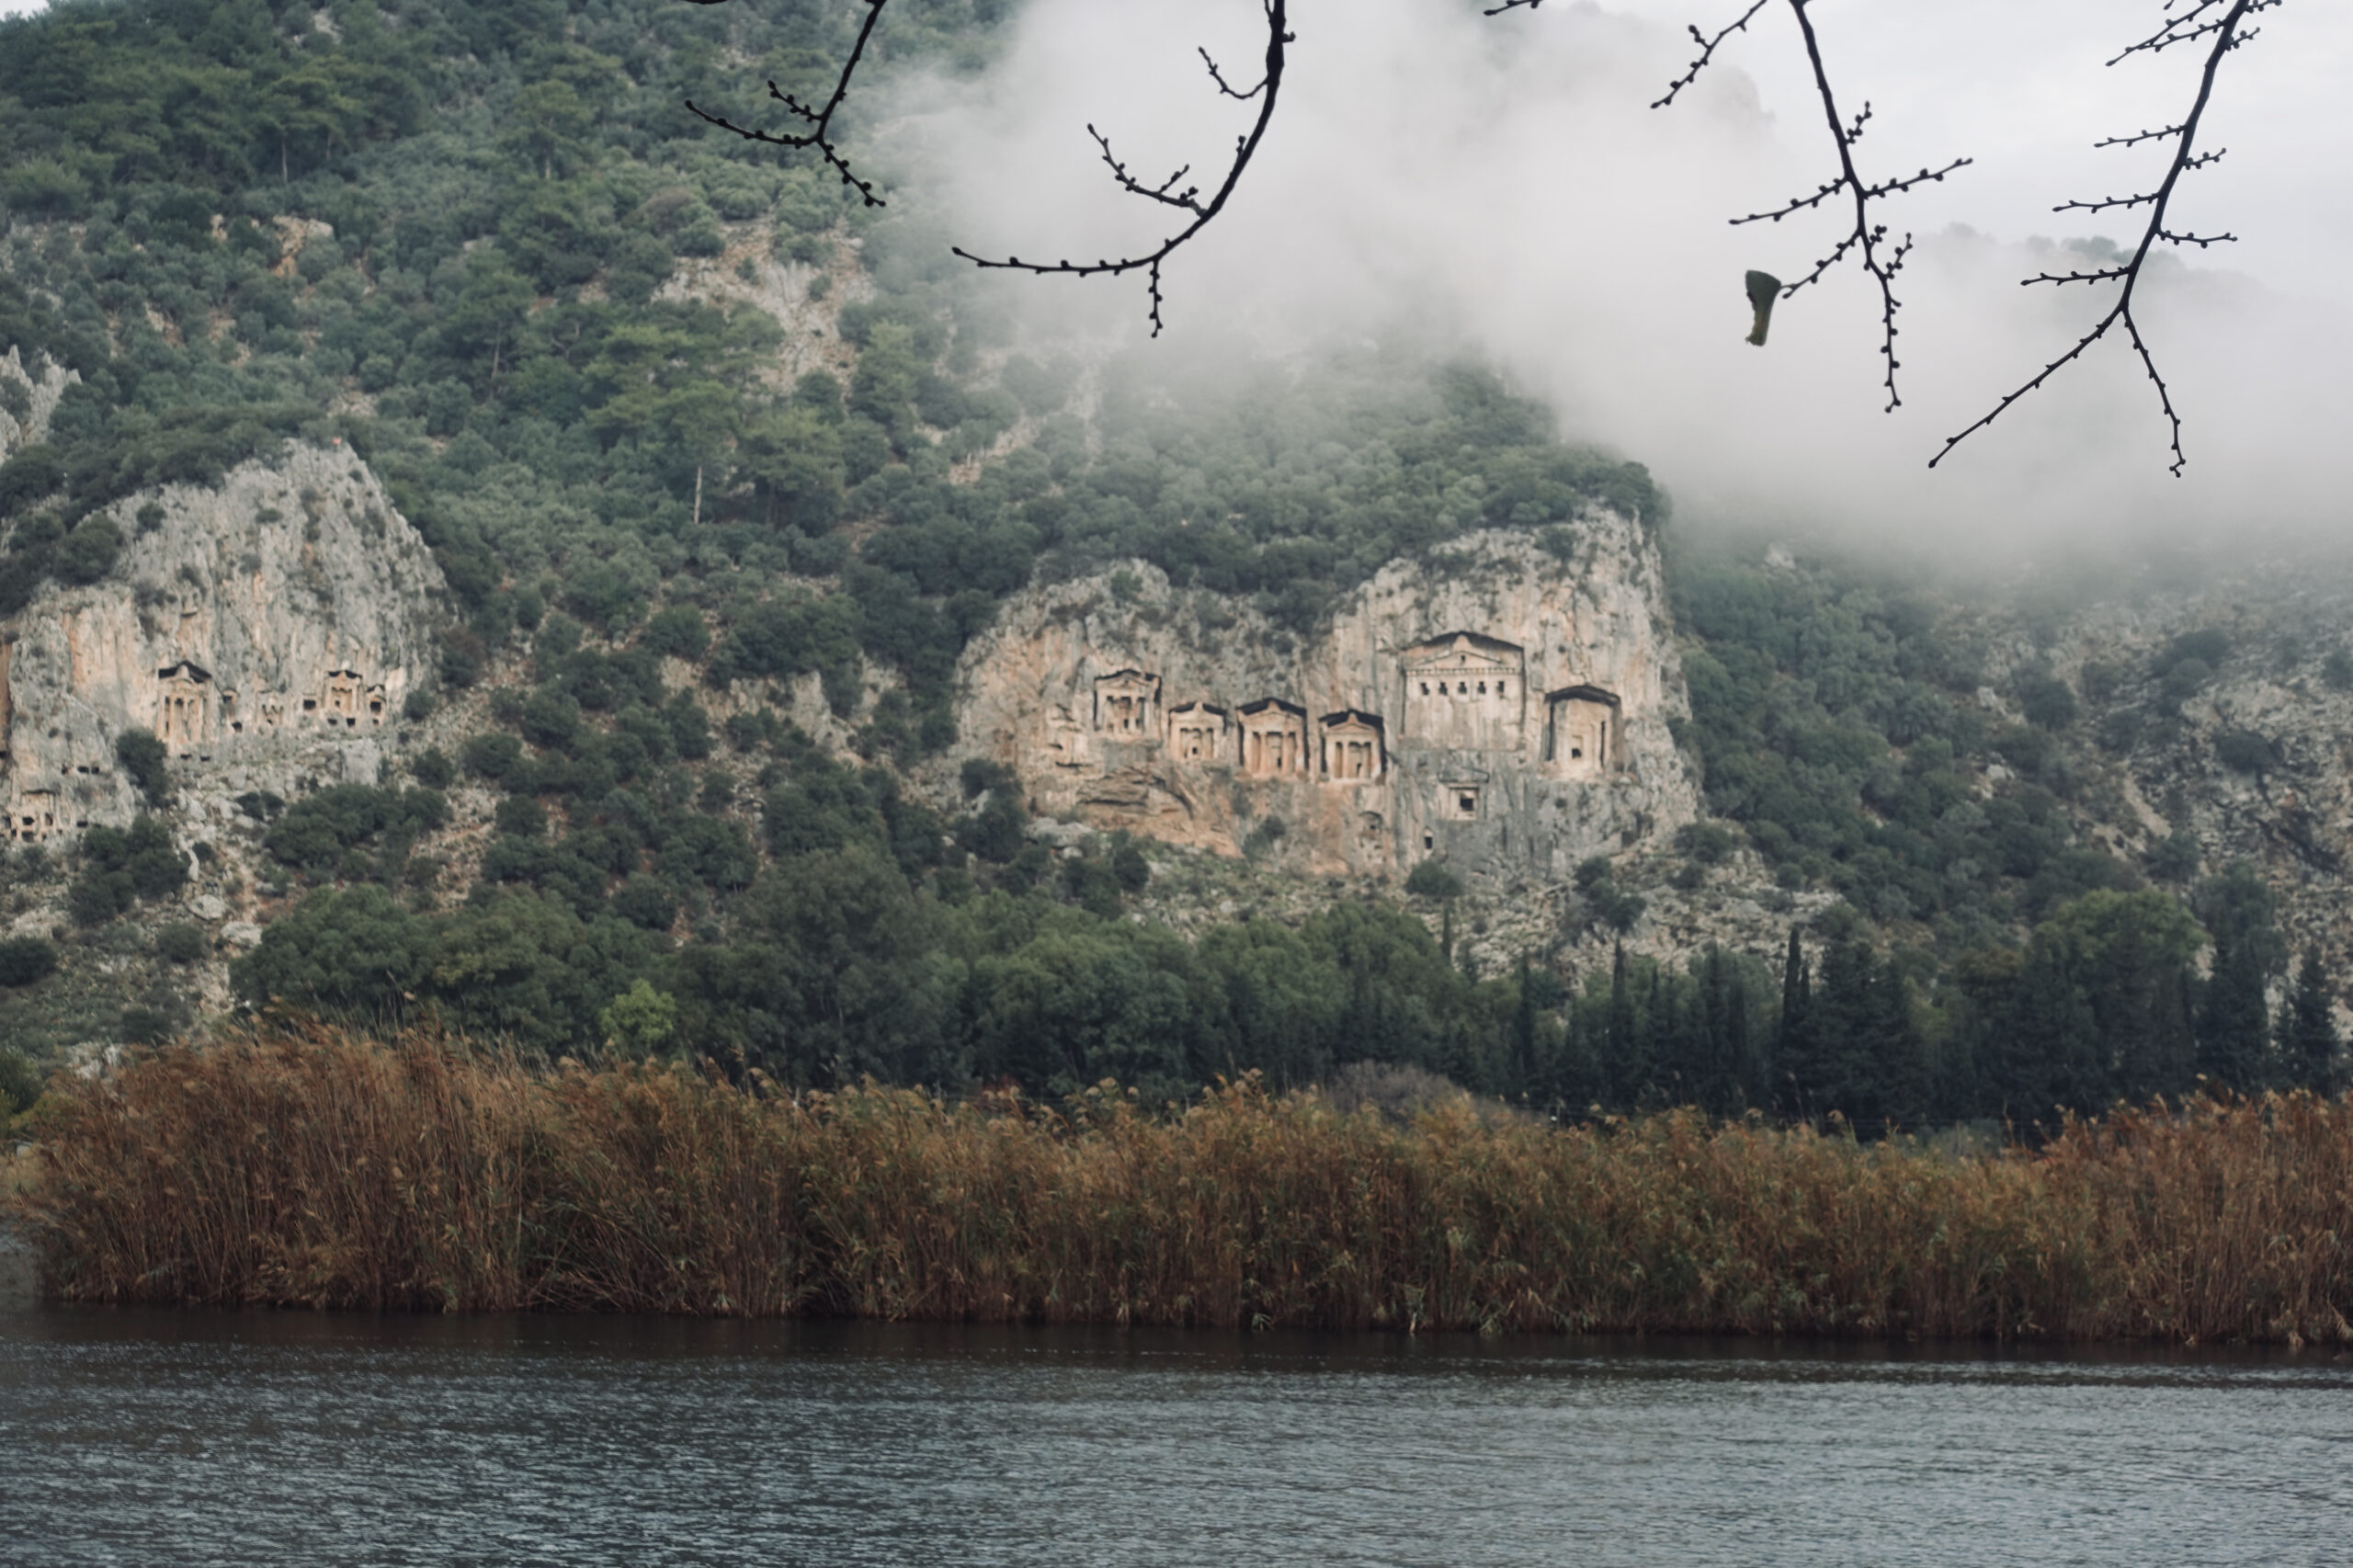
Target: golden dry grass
(306, 1166)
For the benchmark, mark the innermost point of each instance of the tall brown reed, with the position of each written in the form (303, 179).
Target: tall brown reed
(306, 1166)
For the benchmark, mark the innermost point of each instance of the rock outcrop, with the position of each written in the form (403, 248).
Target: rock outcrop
(1497, 706)
(27, 400)
(268, 632)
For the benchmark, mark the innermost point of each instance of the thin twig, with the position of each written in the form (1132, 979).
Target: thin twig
(1707, 51)
(1188, 200)
(2199, 20)
(1867, 240)
(819, 120)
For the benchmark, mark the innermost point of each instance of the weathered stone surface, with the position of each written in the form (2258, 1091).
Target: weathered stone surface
(1498, 707)
(37, 396)
(266, 631)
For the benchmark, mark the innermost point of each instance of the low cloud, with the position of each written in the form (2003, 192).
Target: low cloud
(1500, 186)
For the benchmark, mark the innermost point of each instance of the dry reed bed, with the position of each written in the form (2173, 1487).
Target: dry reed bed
(308, 1167)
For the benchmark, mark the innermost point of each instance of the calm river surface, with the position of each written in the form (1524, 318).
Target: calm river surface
(160, 1437)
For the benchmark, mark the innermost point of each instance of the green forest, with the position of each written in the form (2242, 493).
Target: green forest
(445, 236)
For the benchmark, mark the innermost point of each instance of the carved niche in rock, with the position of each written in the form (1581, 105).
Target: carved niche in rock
(1350, 748)
(340, 696)
(1127, 706)
(183, 703)
(1066, 739)
(33, 817)
(1273, 740)
(1582, 733)
(1197, 734)
(1464, 692)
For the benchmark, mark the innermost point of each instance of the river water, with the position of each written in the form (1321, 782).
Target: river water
(164, 1437)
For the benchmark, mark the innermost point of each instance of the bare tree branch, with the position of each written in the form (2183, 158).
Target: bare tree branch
(2221, 21)
(1188, 200)
(819, 120)
(1867, 240)
(1707, 51)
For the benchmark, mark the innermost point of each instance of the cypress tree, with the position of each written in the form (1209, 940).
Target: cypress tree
(1718, 1084)
(1851, 1021)
(2307, 1037)
(2046, 1046)
(1748, 1079)
(1903, 1055)
(1523, 1032)
(2234, 1017)
(1792, 1065)
(2232, 1022)
(1623, 1062)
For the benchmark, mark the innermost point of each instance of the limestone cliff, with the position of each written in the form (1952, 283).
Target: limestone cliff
(267, 630)
(2156, 755)
(1497, 706)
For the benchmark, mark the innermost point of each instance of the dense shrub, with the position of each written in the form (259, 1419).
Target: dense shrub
(142, 757)
(313, 834)
(24, 960)
(1434, 880)
(120, 867)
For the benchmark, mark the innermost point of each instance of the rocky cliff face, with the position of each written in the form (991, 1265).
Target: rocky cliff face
(266, 631)
(1500, 708)
(2253, 759)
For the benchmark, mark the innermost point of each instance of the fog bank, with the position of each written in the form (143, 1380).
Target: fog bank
(1500, 184)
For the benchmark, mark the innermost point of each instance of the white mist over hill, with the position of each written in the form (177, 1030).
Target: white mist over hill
(1501, 184)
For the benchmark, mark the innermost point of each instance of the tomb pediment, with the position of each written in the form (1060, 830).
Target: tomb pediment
(1352, 749)
(1196, 733)
(1465, 653)
(1463, 692)
(1274, 739)
(1582, 732)
(1127, 704)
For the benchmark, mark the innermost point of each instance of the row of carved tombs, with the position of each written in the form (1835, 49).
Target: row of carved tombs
(1268, 739)
(1461, 693)
(190, 710)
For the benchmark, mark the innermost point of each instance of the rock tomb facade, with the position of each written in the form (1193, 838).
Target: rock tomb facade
(1502, 709)
(272, 628)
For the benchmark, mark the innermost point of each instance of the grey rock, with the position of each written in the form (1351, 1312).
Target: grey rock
(1494, 706)
(41, 392)
(266, 631)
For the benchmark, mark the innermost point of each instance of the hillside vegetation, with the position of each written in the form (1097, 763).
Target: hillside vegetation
(656, 397)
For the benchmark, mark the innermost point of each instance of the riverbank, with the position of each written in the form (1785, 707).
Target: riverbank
(314, 1168)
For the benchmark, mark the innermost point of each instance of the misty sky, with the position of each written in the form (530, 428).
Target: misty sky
(1499, 186)
(1502, 181)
